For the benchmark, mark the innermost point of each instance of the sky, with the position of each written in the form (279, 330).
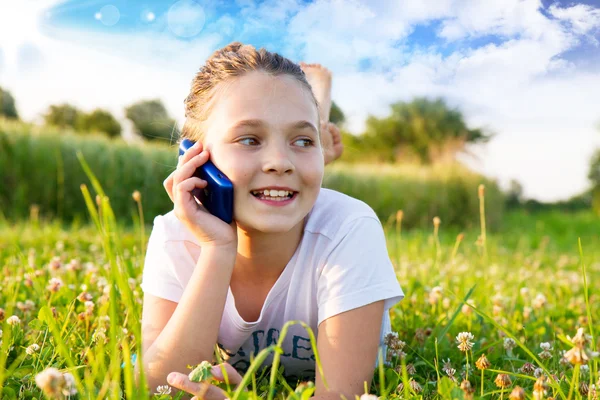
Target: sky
(526, 70)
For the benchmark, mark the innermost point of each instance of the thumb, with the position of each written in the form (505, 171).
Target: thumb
(225, 370)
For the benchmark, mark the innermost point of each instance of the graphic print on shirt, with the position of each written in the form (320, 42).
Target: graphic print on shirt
(299, 351)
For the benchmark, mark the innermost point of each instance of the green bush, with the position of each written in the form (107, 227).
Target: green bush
(449, 192)
(40, 166)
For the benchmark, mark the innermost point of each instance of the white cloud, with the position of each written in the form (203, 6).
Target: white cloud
(582, 17)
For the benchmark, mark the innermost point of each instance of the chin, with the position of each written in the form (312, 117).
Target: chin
(274, 224)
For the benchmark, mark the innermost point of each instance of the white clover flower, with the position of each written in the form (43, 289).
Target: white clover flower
(546, 346)
(69, 389)
(55, 284)
(538, 372)
(464, 340)
(34, 348)
(539, 301)
(51, 381)
(368, 397)
(13, 320)
(524, 291)
(166, 389)
(509, 344)
(89, 305)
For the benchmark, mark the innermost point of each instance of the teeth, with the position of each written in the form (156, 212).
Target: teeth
(273, 193)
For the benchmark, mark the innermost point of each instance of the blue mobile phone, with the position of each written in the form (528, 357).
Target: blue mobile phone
(217, 196)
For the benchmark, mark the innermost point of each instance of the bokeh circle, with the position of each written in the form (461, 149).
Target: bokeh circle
(109, 15)
(186, 18)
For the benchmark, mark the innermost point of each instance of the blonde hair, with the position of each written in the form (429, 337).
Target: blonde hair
(233, 60)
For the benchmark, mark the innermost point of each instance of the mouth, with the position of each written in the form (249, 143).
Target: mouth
(273, 195)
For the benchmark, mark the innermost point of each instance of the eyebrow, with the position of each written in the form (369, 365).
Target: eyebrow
(257, 123)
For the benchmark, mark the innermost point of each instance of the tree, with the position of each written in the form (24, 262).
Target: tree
(151, 120)
(336, 115)
(101, 121)
(423, 130)
(594, 177)
(7, 105)
(63, 116)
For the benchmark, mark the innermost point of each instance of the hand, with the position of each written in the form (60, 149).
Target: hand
(209, 230)
(202, 390)
(331, 140)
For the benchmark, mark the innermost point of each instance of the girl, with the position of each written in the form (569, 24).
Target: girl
(294, 251)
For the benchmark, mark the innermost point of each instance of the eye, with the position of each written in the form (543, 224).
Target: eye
(308, 142)
(245, 139)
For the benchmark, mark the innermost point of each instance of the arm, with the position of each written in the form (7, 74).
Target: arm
(175, 335)
(350, 339)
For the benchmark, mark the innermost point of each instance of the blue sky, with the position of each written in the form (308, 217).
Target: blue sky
(528, 70)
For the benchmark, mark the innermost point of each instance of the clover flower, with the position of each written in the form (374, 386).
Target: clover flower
(13, 320)
(367, 396)
(483, 362)
(540, 388)
(518, 393)
(509, 344)
(54, 384)
(166, 389)
(54, 285)
(464, 340)
(414, 385)
(546, 346)
(527, 368)
(502, 381)
(34, 348)
(539, 301)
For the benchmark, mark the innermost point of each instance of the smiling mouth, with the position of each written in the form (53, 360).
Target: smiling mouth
(261, 195)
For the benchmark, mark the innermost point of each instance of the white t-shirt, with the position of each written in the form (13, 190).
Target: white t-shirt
(341, 264)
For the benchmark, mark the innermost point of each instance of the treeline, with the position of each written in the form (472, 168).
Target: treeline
(150, 118)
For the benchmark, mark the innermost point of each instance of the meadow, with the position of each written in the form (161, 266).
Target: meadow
(511, 313)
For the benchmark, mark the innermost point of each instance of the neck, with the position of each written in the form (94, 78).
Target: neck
(261, 257)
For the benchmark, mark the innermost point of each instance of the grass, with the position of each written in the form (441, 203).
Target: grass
(529, 282)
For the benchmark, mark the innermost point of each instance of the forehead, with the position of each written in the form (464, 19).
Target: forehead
(278, 100)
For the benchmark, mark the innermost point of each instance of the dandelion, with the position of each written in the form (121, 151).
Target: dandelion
(464, 340)
(518, 393)
(32, 349)
(13, 320)
(160, 390)
(54, 285)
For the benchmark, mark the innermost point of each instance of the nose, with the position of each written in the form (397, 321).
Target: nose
(277, 159)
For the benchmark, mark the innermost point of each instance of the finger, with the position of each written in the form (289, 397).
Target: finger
(191, 152)
(184, 189)
(189, 167)
(182, 382)
(225, 372)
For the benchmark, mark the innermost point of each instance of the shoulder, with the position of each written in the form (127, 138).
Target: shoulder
(334, 214)
(168, 228)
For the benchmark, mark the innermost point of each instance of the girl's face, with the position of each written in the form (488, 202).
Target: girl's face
(262, 133)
